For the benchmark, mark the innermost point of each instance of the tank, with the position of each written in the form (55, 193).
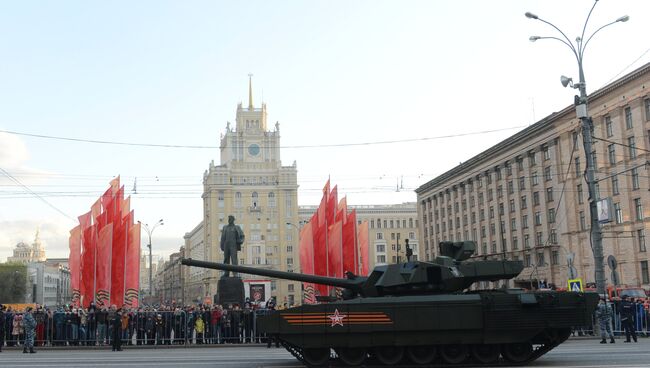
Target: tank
(422, 313)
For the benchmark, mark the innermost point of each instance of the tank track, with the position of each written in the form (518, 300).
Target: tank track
(538, 351)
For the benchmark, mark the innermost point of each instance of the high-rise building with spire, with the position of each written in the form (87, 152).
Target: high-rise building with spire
(251, 184)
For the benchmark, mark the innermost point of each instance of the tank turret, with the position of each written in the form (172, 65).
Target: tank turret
(452, 271)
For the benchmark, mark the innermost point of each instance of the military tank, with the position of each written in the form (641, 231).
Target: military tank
(424, 313)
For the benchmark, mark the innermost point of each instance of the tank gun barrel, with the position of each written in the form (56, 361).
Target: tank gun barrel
(354, 285)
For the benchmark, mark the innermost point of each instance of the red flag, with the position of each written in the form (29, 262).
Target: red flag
(115, 185)
(74, 261)
(307, 260)
(132, 278)
(362, 237)
(88, 265)
(332, 202)
(118, 256)
(335, 250)
(103, 274)
(322, 208)
(96, 209)
(342, 210)
(350, 256)
(126, 207)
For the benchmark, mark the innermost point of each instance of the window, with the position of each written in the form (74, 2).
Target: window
(488, 178)
(577, 165)
(635, 178)
(546, 153)
(481, 214)
(392, 236)
(490, 195)
(254, 200)
(533, 179)
(646, 102)
(238, 200)
(484, 247)
(526, 241)
(493, 230)
(645, 278)
(473, 217)
(549, 194)
(220, 199)
(638, 208)
(515, 243)
(513, 224)
(381, 248)
(524, 222)
(583, 224)
(381, 259)
(536, 199)
(483, 234)
(494, 247)
(615, 189)
(501, 209)
(551, 215)
(618, 213)
(522, 183)
(575, 140)
(288, 204)
(511, 187)
(412, 235)
(628, 117)
(608, 126)
(640, 237)
(532, 158)
(524, 203)
(547, 174)
(512, 205)
(491, 212)
(520, 163)
(538, 218)
(555, 258)
(631, 147)
(611, 153)
(527, 261)
(579, 194)
(380, 236)
(552, 236)
(272, 201)
(539, 239)
(500, 191)
(540, 259)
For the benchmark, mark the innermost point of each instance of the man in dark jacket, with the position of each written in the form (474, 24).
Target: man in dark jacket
(628, 311)
(29, 324)
(2, 326)
(116, 338)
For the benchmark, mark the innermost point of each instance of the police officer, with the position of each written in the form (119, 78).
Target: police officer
(116, 338)
(604, 315)
(627, 318)
(29, 323)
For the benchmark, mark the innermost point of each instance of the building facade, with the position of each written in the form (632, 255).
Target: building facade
(48, 283)
(526, 198)
(196, 279)
(24, 253)
(388, 228)
(251, 184)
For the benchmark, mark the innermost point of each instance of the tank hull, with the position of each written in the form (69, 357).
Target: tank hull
(502, 318)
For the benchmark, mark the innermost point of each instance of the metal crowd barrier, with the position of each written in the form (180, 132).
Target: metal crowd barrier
(143, 328)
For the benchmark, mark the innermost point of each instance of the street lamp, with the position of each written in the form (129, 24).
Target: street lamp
(149, 231)
(578, 49)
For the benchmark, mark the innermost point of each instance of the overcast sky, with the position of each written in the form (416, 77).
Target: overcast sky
(461, 73)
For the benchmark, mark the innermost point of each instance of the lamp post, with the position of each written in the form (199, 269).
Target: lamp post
(578, 49)
(149, 231)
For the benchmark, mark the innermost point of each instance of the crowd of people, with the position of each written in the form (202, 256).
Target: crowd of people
(164, 324)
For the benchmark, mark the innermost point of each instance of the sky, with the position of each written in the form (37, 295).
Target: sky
(379, 96)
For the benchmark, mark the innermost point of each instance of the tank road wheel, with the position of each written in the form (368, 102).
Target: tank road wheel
(517, 352)
(454, 354)
(389, 355)
(421, 354)
(352, 356)
(316, 356)
(486, 353)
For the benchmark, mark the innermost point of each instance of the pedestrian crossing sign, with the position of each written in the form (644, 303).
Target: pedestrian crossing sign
(575, 285)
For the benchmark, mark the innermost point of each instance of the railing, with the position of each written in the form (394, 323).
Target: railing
(142, 328)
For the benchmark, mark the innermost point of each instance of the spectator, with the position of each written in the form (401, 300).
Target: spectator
(29, 324)
(116, 323)
(17, 331)
(199, 326)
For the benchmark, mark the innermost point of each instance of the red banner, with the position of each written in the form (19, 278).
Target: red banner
(103, 273)
(118, 258)
(335, 250)
(350, 255)
(362, 237)
(88, 265)
(307, 260)
(132, 277)
(74, 262)
(332, 202)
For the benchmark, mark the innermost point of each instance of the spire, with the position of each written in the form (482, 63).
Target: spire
(250, 91)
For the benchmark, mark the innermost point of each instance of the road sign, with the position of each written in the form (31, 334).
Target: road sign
(576, 285)
(611, 262)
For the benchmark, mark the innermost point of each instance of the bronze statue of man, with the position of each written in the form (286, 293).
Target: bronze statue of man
(232, 237)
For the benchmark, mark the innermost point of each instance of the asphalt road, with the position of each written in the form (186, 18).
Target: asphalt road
(584, 353)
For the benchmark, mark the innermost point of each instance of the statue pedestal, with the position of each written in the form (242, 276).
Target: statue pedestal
(230, 290)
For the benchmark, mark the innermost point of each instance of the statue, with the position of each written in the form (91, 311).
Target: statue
(232, 237)
(409, 251)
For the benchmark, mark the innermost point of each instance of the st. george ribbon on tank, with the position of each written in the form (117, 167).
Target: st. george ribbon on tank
(423, 313)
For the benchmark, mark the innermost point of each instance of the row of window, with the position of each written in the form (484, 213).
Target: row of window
(392, 224)
(395, 236)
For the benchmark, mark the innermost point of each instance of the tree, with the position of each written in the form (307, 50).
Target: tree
(13, 282)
